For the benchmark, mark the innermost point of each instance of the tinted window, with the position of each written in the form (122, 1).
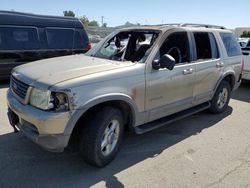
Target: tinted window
(81, 39)
(231, 45)
(0, 41)
(214, 46)
(18, 38)
(60, 38)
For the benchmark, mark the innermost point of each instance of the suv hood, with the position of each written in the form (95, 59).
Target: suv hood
(49, 72)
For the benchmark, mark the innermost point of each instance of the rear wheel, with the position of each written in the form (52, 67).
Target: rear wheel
(221, 98)
(102, 136)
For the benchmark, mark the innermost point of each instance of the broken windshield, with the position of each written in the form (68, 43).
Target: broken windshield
(127, 46)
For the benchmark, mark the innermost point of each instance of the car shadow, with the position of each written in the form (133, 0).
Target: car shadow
(24, 163)
(4, 84)
(243, 92)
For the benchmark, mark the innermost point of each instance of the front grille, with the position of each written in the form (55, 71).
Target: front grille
(19, 87)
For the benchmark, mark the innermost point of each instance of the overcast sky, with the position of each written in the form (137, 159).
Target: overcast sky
(230, 13)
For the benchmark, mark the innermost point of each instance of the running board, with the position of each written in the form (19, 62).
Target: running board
(171, 118)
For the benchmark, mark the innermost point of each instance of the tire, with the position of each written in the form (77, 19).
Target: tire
(103, 128)
(221, 98)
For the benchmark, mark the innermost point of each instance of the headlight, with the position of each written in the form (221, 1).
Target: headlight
(47, 100)
(40, 99)
(60, 101)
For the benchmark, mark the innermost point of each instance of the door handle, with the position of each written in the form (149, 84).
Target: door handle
(219, 65)
(188, 71)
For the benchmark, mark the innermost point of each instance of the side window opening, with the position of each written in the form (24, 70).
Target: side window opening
(131, 46)
(203, 47)
(206, 46)
(176, 45)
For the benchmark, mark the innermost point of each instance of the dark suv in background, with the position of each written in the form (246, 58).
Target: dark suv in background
(29, 37)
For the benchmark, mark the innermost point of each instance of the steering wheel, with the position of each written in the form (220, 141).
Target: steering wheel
(175, 52)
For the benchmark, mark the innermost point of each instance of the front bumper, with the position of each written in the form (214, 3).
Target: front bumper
(42, 127)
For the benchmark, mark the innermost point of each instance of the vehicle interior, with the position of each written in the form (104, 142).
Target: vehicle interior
(177, 46)
(128, 46)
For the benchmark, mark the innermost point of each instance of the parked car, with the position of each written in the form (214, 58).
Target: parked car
(88, 100)
(243, 42)
(94, 38)
(246, 55)
(29, 37)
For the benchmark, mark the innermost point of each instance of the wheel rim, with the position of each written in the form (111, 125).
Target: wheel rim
(222, 99)
(110, 137)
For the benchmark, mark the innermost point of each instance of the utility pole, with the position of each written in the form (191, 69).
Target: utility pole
(102, 20)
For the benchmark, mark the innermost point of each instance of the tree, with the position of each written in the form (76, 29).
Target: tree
(245, 34)
(69, 13)
(86, 21)
(93, 23)
(105, 25)
(128, 24)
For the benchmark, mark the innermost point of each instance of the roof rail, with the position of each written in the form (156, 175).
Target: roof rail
(201, 25)
(193, 25)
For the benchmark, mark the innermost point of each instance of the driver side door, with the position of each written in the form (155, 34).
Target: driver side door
(170, 91)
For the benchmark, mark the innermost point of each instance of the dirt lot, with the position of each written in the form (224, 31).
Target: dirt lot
(203, 150)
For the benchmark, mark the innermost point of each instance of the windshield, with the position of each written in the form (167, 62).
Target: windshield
(127, 46)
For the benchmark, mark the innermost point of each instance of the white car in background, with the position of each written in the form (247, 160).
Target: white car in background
(246, 55)
(94, 38)
(243, 42)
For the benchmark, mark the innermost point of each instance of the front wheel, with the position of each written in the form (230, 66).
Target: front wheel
(102, 137)
(221, 98)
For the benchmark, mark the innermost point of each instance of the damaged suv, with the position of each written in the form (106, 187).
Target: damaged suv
(138, 78)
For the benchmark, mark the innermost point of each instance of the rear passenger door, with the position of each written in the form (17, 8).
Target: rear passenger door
(209, 65)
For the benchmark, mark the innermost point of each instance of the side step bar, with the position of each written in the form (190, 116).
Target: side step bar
(171, 118)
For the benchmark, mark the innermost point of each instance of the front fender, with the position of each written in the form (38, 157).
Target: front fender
(77, 114)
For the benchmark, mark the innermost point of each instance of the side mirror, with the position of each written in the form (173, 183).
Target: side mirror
(166, 61)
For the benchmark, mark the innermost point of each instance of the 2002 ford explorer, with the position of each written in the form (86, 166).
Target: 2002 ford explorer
(141, 78)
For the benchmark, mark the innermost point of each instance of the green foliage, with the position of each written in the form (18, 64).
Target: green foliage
(69, 13)
(86, 21)
(93, 23)
(245, 34)
(83, 19)
(105, 25)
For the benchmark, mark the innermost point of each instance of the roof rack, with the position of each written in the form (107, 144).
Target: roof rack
(193, 25)
(202, 25)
